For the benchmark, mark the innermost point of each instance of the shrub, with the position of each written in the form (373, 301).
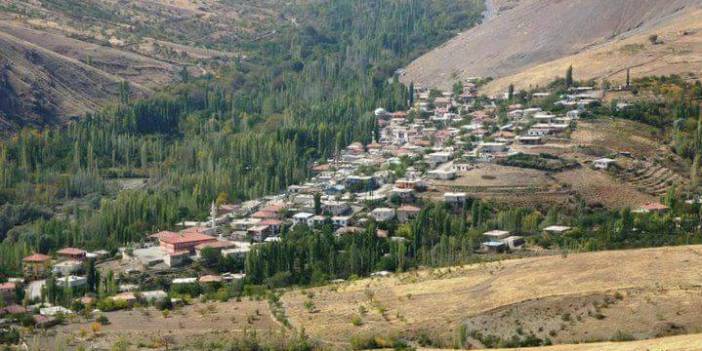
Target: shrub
(9, 336)
(621, 336)
(102, 319)
(357, 321)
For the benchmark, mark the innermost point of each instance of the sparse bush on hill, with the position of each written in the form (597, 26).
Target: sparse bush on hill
(545, 162)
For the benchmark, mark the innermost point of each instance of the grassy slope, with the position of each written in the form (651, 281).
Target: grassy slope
(439, 300)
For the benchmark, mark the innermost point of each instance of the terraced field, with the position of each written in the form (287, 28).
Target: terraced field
(652, 178)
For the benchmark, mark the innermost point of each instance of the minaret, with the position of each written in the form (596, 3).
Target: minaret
(213, 216)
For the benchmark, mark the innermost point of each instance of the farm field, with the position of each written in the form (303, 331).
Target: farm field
(637, 296)
(643, 177)
(596, 187)
(618, 135)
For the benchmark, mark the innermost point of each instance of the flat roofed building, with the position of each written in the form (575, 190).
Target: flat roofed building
(496, 234)
(71, 253)
(557, 229)
(603, 163)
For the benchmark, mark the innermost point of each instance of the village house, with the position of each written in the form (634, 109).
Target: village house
(36, 266)
(244, 223)
(176, 259)
(275, 225)
(259, 233)
(455, 198)
(556, 229)
(71, 253)
(529, 140)
(543, 117)
(318, 220)
(356, 183)
(336, 208)
(265, 214)
(493, 247)
(303, 218)
(405, 195)
(462, 167)
(514, 242)
(538, 132)
(407, 212)
(603, 163)
(383, 214)
(210, 280)
(7, 292)
(127, 297)
(653, 207)
(72, 281)
(65, 268)
(442, 174)
(341, 221)
(172, 243)
(496, 235)
(492, 147)
(438, 157)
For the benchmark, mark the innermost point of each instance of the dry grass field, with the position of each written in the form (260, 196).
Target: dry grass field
(643, 293)
(570, 298)
(189, 325)
(617, 135)
(674, 343)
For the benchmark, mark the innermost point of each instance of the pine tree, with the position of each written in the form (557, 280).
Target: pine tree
(569, 77)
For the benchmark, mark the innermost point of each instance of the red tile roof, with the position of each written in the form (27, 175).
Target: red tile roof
(71, 251)
(265, 214)
(321, 168)
(7, 286)
(36, 258)
(13, 309)
(271, 221)
(654, 206)
(182, 238)
(210, 279)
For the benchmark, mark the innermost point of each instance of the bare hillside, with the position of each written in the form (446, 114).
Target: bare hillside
(60, 59)
(528, 33)
(645, 294)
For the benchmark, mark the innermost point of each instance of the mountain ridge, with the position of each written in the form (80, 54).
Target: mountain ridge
(545, 31)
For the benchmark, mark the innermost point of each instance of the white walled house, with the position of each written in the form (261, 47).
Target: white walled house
(383, 214)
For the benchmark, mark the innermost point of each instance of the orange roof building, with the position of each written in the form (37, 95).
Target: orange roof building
(173, 243)
(36, 265)
(71, 253)
(210, 279)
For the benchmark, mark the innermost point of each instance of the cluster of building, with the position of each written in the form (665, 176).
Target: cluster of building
(438, 138)
(441, 136)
